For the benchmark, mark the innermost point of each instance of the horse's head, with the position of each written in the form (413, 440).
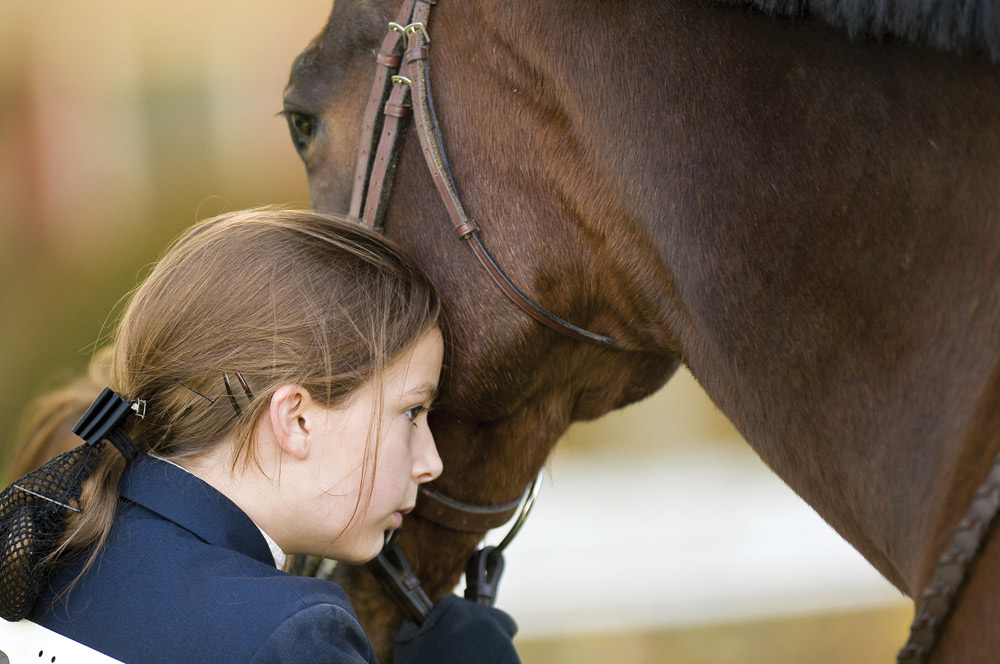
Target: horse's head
(511, 387)
(808, 221)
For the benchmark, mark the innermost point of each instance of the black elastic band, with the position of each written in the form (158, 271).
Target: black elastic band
(123, 443)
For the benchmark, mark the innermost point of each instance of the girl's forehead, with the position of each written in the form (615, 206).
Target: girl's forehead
(419, 368)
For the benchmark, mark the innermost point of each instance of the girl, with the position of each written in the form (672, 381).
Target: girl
(270, 381)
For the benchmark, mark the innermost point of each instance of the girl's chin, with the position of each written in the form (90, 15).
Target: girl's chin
(360, 558)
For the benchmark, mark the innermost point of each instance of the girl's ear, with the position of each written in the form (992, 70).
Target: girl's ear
(290, 421)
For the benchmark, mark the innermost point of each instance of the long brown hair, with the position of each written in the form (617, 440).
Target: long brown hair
(279, 296)
(46, 428)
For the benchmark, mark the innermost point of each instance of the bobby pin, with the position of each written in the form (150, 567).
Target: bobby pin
(183, 384)
(51, 500)
(243, 384)
(229, 390)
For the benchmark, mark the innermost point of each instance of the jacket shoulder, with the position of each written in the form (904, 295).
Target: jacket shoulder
(325, 633)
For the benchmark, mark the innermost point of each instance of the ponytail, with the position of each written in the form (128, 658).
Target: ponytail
(34, 510)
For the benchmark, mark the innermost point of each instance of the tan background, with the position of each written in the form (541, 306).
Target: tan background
(121, 123)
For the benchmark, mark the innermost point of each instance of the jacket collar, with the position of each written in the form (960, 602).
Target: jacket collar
(180, 497)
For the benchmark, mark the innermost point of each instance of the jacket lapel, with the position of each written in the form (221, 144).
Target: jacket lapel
(194, 505)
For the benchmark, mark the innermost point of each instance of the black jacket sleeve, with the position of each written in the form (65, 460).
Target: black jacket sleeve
(458, 631)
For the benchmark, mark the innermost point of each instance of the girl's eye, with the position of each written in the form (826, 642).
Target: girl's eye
(413, 413)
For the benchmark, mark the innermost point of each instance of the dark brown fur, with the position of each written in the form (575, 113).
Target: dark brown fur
(956, 26)
(810, 224)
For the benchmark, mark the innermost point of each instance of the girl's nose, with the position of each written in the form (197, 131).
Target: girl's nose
(427, 464)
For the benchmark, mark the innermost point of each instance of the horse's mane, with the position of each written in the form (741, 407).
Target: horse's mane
(956, 26)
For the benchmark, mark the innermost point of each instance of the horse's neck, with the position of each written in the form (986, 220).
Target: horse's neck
(839, 270)
(872, 428)
(825, 215)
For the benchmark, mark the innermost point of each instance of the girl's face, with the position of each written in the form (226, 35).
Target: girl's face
(349, 498)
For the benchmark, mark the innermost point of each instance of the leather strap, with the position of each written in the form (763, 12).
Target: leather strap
(393, 571)
(942, 592)
(528, 305)
(426, 123)
(388, 59)
(386, 155)
(383, 127)
(437, 162)
(465, 517)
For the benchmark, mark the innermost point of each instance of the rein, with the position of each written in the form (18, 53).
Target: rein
(939, 598)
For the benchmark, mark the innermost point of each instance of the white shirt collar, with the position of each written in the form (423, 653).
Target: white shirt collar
(279, 555)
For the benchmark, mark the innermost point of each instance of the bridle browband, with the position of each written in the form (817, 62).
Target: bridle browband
(402, 75)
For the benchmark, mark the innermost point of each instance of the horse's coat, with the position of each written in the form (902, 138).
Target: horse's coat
(811, 224)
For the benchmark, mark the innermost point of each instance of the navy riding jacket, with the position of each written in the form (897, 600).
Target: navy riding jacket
(186, 576)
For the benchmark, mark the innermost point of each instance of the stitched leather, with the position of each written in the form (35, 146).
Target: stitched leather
(388, 59)
(466, 517)
(939, 598)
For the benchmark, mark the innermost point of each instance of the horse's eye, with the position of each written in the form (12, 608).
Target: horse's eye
(302, 127)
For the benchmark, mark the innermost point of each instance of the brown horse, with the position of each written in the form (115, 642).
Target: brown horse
(810, 223)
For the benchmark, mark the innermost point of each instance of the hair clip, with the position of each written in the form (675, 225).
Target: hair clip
(243, 384)
(107, 412)
(103, 421)
(229, 390)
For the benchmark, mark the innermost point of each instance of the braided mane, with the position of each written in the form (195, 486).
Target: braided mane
(961, 27)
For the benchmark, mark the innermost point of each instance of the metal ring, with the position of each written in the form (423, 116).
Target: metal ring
(390, 537)
(401, 79)
(522, 515)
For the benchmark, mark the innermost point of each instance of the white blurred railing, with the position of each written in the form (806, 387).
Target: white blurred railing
(671, 539)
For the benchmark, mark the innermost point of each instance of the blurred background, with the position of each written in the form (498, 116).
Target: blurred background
(658, 535)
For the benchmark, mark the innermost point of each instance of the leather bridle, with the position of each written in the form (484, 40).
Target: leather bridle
(941, 594)
(403, 75)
